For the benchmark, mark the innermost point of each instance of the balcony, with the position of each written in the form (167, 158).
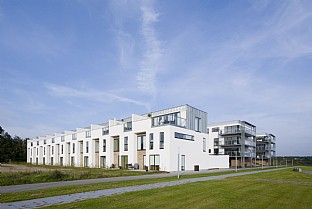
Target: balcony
(250, 143)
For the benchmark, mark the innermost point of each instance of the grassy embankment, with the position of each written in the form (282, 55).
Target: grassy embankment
(277, 189)
(57, 173)
(26, 195)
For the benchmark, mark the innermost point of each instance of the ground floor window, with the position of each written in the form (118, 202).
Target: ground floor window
(154, 162)
(43, 160)
(51, 160)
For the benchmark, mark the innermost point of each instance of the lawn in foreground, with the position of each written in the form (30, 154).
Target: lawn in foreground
(27, 195)
(57, 173)
(282, 189)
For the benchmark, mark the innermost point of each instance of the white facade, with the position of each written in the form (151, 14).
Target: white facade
(159, 140)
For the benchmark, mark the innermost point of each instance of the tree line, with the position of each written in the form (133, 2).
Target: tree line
(12, 149)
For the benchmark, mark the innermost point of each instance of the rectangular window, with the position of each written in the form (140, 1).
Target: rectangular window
(209, 151)
(87, 147)
(154, 162)
(105, 131)
(151, 141)
(197, 124)
(183, 136)
(204, 145)
(216, 141)
(44, 151)
(126, 143)
(51, 160)
(62, 138)
(37, 151)
(104, 145)
(74, 136)
(52, 150)
(141, 142)
(44, 141)
(161, 140)
(128, 126)
(38, 143)
(215, 129)
(88, 134)
(62, 149)
(116, 145)
(31, 144)
(73, 148)
(53, 140)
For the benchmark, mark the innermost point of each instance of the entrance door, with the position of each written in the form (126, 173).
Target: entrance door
(124, 161)
(102, 161)
(182, 162)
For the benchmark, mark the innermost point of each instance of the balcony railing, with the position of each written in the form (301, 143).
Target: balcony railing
(237, 131)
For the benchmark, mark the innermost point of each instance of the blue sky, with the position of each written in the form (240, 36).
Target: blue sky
(67, 64)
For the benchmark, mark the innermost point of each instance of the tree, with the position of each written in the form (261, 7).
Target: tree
(12, 149)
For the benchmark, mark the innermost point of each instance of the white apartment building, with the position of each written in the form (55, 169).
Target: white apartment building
(236, 139)
(168, 140)
(265, 152)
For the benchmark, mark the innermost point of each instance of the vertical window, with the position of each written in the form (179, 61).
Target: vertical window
(104, 145)
(52, 150)
(126, 143)
(62, 149)
(197, 124)
(88, 134)
(37, 151)
(116, 145)
(161, 140)
(44, 151)
(154, 162)
(209, 150)
(62, 138)
(105, 131)
(87, 147)
(141, 142)
(204, 145)
(73, 148)
(74, 136)
(151, 141)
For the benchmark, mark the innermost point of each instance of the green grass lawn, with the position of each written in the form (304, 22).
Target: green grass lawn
(26, 195)
(281, 189)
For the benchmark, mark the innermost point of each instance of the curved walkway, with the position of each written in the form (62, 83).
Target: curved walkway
(108, 192)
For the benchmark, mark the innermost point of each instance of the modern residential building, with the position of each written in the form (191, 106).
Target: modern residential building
(266, 144)
(168, 140)
(236, 139)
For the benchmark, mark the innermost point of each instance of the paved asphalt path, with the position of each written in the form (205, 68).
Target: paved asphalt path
(62, 199)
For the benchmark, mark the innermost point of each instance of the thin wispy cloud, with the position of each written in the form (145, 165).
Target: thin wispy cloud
(147, 75)
(93, 95)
